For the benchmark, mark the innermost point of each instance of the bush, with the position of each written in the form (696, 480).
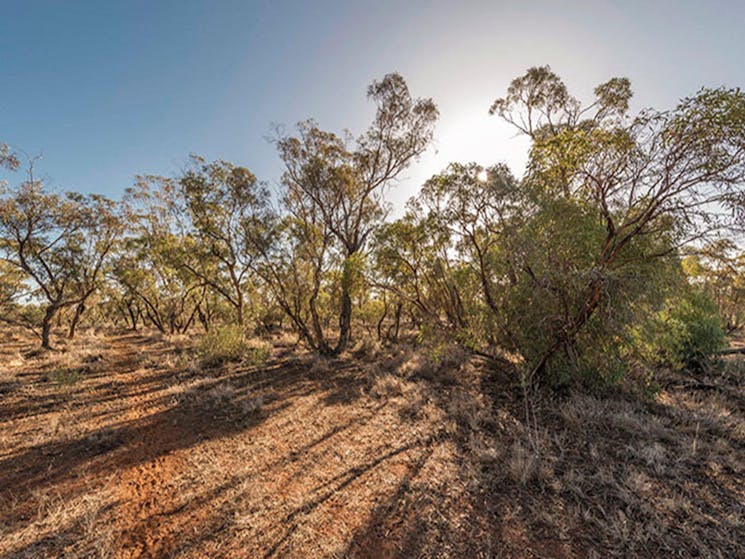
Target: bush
(224, 344)
(258, 352)
(688, 331)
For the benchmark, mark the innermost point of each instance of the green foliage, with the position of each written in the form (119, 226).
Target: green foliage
(229, 217)
(225, 344)
(153, 263)
(59, 243)
(719, 268)
(65, 378)
(575, 270)
(688, 331)
(333, 204)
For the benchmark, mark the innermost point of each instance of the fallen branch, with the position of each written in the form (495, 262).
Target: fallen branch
(731, 351)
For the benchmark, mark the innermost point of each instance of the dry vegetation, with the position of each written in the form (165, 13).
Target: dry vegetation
(125, 446)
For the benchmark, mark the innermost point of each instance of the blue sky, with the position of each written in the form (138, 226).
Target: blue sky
(107, 90)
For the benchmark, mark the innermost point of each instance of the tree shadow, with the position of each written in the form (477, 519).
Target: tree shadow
(596, 482)
(190, 418)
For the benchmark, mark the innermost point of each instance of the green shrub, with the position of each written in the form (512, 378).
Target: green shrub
(687, 331)
(224, 344)
(65, 378)
(258, 352)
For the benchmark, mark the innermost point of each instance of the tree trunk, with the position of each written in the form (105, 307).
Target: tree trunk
(46, 326)
(203, 318)
(132, 317)
(397, 323)
(731, 351)
(345, 314)
(79, 310)
(345, 321)
(319, 343)
(382, 320)
(569, 334)
(239, 305)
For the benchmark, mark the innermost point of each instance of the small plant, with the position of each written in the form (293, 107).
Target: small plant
(228, 343)
(65, 378)
(258, 352)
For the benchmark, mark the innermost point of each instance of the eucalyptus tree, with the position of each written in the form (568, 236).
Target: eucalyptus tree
(102, 227)
(632, 189)
(153, 259)
(414, 260)
(333, 201)
(719, 268)
(59, 243)
(230, 214)
(480, 211)
(12, 280)
(14, 290)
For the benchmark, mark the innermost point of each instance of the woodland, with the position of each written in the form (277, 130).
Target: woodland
(546, 364)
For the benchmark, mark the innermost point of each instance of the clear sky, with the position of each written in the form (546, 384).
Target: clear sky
(107, 90)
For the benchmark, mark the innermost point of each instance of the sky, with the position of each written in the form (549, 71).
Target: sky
(108, 90)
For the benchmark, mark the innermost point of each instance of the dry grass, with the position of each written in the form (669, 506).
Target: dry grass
(124, 447)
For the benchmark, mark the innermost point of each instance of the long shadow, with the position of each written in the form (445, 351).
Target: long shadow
(79, 397)
(52, 398)
(129, 443)
(333, 487)
(181, 426)
(397, 527)
(412, 521)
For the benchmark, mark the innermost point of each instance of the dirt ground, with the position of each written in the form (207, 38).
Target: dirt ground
(123, 446)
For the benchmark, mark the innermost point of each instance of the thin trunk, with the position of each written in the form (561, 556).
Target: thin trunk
(382, 320)
(345, 314)
(239, 311)
(203, 318)
(397, 323)
(239, 303)
(189, 321)
(569, 335)
(320, 342)
(345, 322)
(319, 339)
(132, 317)
(79, 310)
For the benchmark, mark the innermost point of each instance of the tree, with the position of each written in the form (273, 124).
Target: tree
(152, 262)
(229, 211)
(12, 280)
(652, 183)
(59, 242)
(8, 159)
(102, 226)
(333, 196)
(415, 261)
(719, 268)
(13, 290)
(480, 212)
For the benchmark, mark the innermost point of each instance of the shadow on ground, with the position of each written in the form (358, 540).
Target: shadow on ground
(302, 458)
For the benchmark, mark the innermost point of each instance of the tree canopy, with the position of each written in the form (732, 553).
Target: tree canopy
(622, 225)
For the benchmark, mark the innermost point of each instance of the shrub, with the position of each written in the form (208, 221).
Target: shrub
(687, 331)
(695, 329)
(228, 343)
(258, 352)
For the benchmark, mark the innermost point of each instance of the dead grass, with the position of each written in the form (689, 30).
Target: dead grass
(124, 447)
